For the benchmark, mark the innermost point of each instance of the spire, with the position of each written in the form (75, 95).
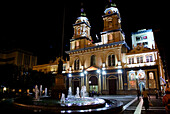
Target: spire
(111, 4)
(83, 14)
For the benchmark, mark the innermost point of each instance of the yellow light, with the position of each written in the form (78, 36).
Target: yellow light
(5, 88)
(20, 90)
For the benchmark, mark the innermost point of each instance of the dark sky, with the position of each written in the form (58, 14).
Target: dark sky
(37, 26)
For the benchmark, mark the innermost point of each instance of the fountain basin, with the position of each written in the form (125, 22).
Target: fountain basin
(71, 105)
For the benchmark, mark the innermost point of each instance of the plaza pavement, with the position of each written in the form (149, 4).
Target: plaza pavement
(131, 104)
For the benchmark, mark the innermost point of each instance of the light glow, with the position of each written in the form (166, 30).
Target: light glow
(69, 75)
(104, 72)
(98, 70)
(119, 71)
(81, 74)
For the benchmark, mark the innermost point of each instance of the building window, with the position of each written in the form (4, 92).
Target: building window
(149, 58)
(93, 60)
(151, 76)
(132, 80)
(131, 60)
(77, 44)
(152, 83)
(140, 59)
(111, 60)
(76, 64)
(110, 37)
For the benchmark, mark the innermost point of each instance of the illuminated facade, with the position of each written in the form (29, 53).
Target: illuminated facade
(109, 66)
(19, 58)
(52, 66)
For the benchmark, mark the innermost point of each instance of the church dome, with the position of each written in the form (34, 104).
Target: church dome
(111, 10)
(82, 20)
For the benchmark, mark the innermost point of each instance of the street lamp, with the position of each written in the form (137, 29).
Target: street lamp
(119, 71)
(137, 87)
(103, 72)
(98, 70)
(69, 75)
(81, 74)
(85, 72)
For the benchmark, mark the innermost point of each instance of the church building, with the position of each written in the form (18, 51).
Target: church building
(109, 66)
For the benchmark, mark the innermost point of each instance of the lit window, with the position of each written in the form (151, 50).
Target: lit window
(131, 60)
(140, 59)
(76, 64)
(93, 60)
(111, 60)
(149, 58)
(151, 76)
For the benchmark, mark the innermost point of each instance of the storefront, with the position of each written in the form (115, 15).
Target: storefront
(143, 78)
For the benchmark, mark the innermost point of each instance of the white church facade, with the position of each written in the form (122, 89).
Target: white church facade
(109, 66)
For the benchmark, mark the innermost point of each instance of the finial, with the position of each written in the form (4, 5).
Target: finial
(111, 4)
(82, 10)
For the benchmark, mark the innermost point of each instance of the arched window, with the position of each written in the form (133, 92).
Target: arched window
(111, 60)
(93, 60)
(76, 64)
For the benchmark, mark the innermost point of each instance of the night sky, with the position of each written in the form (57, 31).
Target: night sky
(37, 26)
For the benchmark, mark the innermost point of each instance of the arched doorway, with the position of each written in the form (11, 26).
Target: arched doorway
(76, 83)
(112, 85)
(93, 84)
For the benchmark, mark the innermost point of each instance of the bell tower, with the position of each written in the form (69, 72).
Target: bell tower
(81, 37)
(112, 31)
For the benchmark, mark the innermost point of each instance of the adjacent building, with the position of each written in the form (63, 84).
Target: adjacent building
(18, 57)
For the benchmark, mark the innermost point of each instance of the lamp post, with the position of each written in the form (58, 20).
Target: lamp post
(119, 71)
(138, 93)
(99, 81)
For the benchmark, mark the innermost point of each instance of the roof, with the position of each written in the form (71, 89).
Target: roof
(98, 46)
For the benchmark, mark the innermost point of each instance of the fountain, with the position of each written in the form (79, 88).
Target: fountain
(40, 90)
(77, 93)
(36, 93)
(71, 104)
(62, 98)
(69, 93)
(83, 92)
(45, 92)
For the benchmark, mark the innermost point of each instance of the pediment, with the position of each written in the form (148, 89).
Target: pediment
(91, 68)
(140, 49)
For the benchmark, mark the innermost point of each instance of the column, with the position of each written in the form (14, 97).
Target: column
(99, 83)
(70, 84)
(120, 81)
(87, 83)
(103, 81)
(82, 81)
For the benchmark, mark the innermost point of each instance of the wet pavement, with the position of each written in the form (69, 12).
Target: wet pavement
(131, 103)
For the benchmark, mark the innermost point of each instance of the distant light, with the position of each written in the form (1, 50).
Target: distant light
(89, 82)
(5, 88)
(69, 75)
